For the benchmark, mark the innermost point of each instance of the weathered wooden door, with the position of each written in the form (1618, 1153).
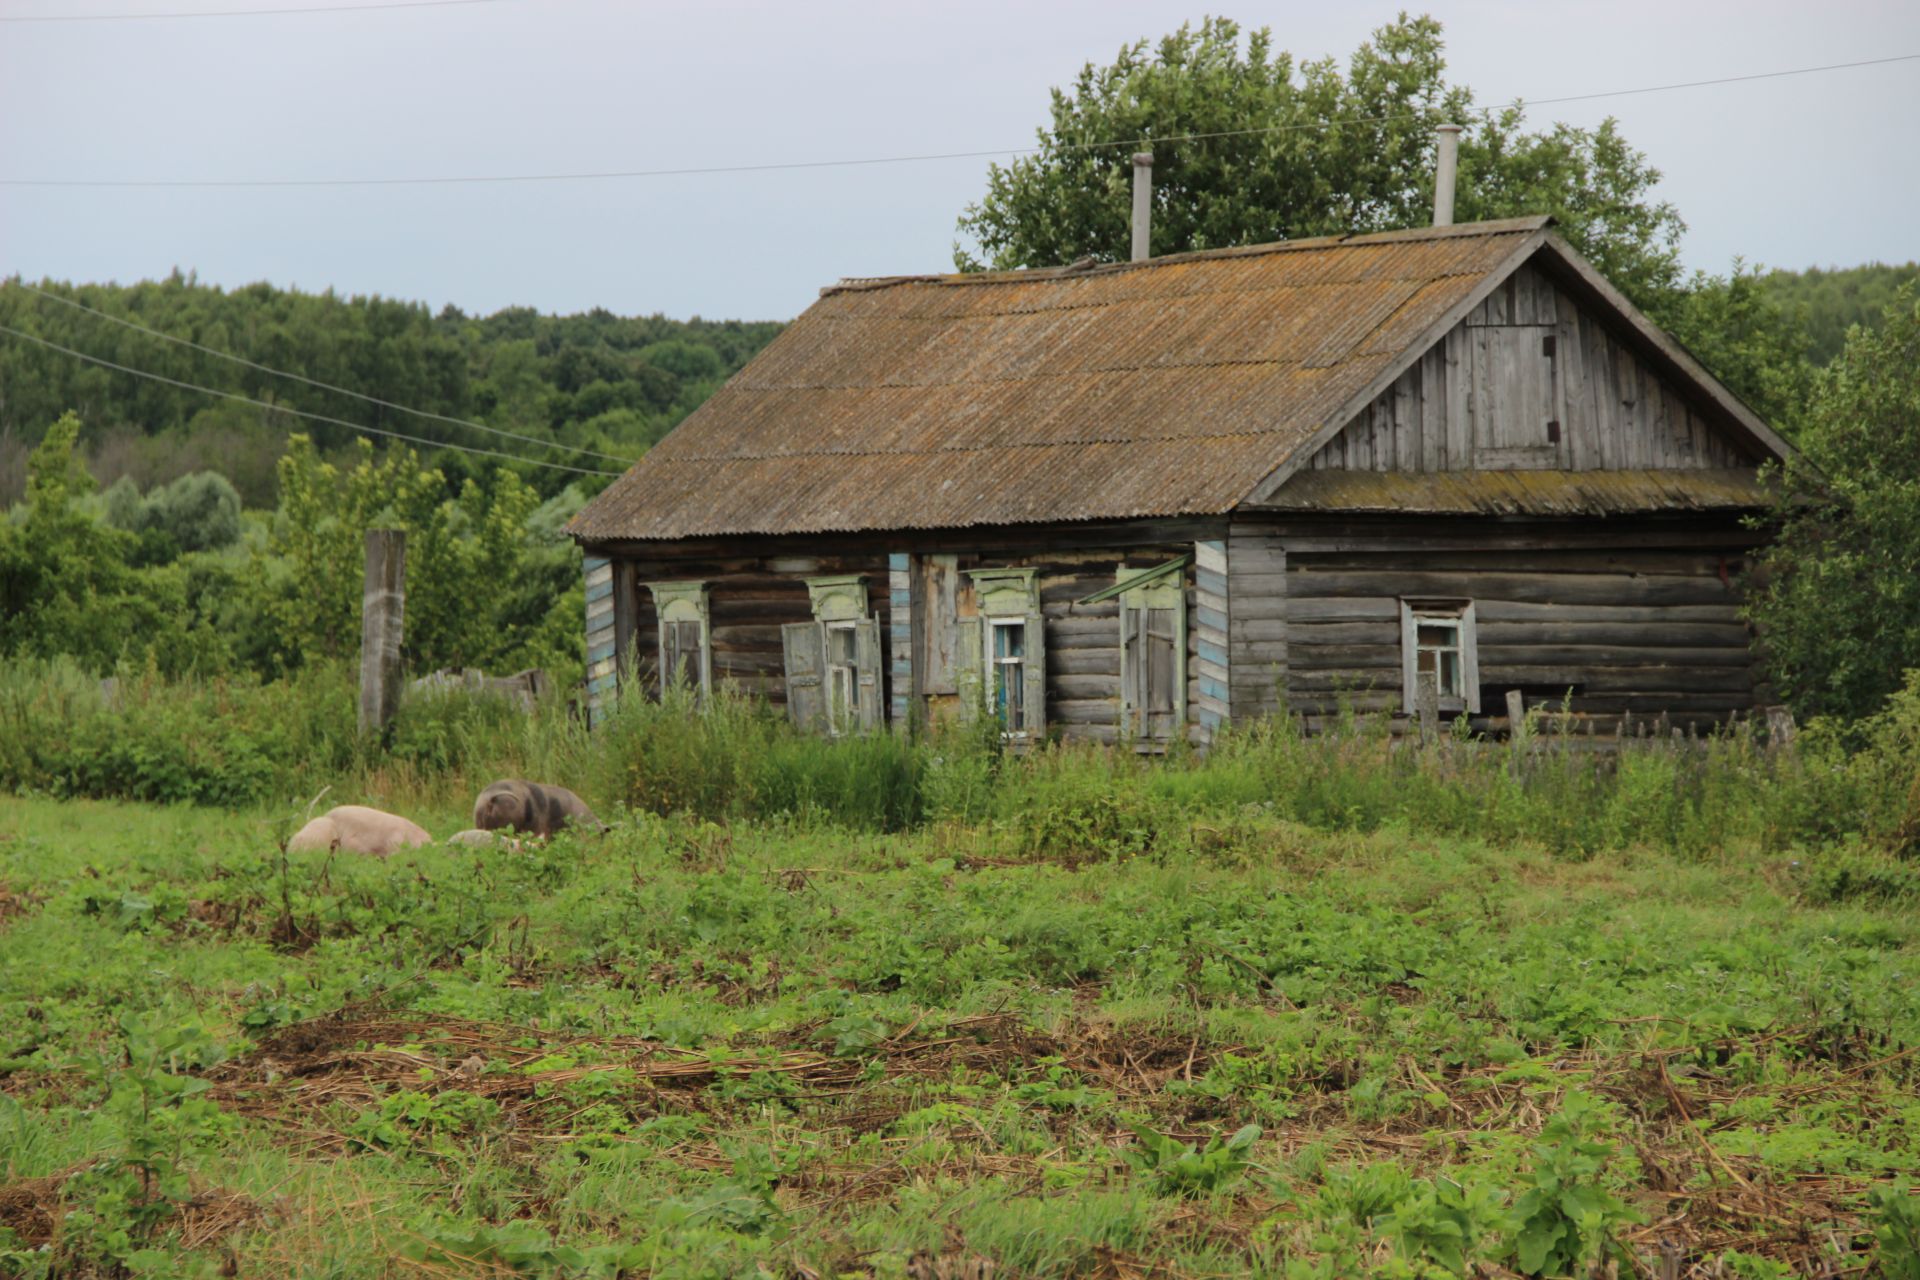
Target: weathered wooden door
(1513, 372)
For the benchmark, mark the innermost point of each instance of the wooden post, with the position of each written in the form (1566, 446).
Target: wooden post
(1427, 694)
(1516, 729)
(383, 611)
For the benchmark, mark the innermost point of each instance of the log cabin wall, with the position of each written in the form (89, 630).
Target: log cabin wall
(1082, 640)
(756, 586)
(748, 599)
(1633, 616)
(1529, 380)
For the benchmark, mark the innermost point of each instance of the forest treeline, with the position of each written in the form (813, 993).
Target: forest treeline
(607, 384)
(1828, 301)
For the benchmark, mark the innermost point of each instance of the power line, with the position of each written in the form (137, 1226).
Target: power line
(244, 13)
(787, 165)
(314, 382)
(299, 413)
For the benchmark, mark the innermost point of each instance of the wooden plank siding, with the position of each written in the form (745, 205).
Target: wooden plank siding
(1469, 403)
(1649, 626)
(1257, 656)
(1209, 615)
(601, 635)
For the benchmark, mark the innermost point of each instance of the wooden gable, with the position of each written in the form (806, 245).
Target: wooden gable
(1531, 379)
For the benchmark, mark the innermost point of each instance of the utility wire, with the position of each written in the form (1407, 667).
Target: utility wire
(781, 166)
(314, 382)
(243, 13)
(300, 413)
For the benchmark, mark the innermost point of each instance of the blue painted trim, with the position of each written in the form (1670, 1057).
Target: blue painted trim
(590, 563)
(1213, 688)
(1208, 717)
(600, 684)
(896, 560)
(1210, 651)
(1212, 619)
(600, 592)
(1209, 581)
(599, 651)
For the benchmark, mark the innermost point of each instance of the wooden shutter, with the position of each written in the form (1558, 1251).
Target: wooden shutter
(1160, 680)
(806, 663)
(866, 651)
(1133, 694)
(1035, 672)
(969, 666)
(937, 659)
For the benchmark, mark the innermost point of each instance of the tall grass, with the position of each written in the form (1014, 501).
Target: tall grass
(234, 742)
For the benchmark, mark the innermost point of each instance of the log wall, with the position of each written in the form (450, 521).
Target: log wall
(751, 596)
(1631, 618)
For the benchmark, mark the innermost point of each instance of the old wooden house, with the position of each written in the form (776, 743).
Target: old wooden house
(1138, 501)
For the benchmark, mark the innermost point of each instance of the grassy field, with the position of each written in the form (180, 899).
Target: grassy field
(688, 1049)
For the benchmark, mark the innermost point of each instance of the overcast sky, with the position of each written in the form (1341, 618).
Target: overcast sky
(1809, 170)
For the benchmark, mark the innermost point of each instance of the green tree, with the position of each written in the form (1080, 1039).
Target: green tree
(1277, 149)
(479, 586)
(1736, 326)
(1838, 603)
(66, 585)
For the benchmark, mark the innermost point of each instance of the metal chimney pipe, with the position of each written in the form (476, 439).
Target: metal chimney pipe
(1142, 205)
(1444, 174)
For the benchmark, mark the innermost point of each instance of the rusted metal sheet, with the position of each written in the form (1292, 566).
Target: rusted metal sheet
(1171, 387)
(1522, 493)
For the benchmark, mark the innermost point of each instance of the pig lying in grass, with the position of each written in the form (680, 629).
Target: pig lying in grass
(531, 808)
(354, 828)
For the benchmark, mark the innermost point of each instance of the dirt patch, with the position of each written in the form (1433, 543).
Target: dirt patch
(32, 1209)
(15, 903)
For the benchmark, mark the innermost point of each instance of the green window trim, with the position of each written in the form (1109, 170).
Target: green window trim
(1005, 593)
(1140, 579)
(841, 598)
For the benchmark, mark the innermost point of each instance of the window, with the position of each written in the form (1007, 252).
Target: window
(1002, 659)
(843, 677)
(1437, 643)
(833, 662)
(1008, 689)
(686, 660)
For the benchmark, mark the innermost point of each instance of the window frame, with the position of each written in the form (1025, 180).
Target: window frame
(997, 666)
(1002, 598)
(840, 606)
(843, 713)
(677, 603)
(1458, 614)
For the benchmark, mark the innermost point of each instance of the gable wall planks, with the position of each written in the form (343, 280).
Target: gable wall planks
(1615, 412)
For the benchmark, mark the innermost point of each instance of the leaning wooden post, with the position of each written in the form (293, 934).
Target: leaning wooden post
(383, 611)
(1427, 695)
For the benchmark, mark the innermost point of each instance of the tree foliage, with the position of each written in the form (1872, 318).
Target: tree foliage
(66, 584)
(480, 591)
(492, 581)
(1839, 608)
(1273, 148)
(1833, 300)
(610, 383)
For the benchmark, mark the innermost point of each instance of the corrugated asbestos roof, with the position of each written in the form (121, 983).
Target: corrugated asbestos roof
(1521, 493)
(1171, 387)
